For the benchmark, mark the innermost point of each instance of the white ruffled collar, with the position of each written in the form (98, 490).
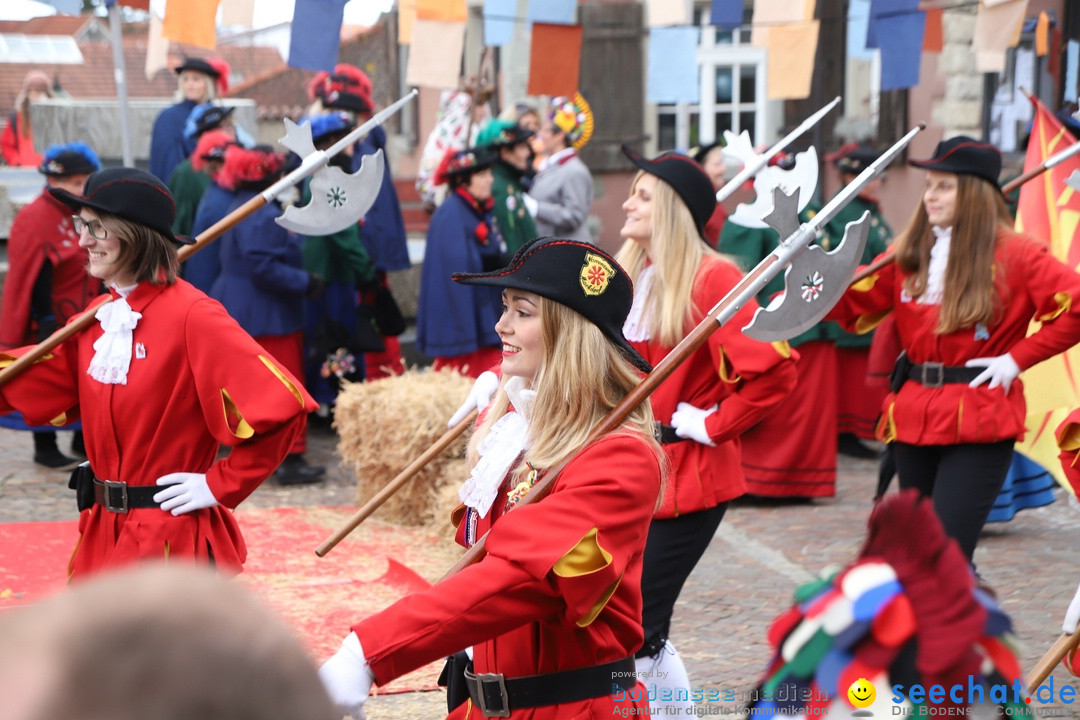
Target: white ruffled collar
(503, 445)
(112, 351)
(636, 327)
(935, 271)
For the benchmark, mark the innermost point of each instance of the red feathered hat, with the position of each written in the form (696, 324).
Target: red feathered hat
(348, 88)
(249, 168)
(222, 79)
(211, 146)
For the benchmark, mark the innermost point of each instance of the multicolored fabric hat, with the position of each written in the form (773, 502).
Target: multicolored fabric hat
(73, 158)
(460, 162)
(576, 274)
(574, 117)
(205, 117)
(502, 133)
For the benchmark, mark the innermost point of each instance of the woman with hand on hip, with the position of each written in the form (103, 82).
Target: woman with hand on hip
(553, 609)
(964, 289)
(161, 381)
(721, 390)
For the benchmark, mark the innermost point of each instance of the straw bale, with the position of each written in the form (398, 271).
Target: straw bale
(384, 425)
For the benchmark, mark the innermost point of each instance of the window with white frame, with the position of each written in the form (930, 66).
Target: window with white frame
(733, 92)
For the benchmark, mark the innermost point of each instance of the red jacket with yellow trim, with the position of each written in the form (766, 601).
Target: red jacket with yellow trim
(747, 377)
(196, 381)
(559, 587)
(1032, 285)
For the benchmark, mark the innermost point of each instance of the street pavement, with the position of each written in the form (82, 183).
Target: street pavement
(761, 553)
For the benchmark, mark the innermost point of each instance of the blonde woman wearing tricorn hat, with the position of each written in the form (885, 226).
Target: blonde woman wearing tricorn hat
(553, 609)
(722, 389)
(160, 382)
(964, 289)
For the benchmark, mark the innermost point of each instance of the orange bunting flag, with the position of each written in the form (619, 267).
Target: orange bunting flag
(442, 10)
(1050, 210)
(933, 35)
(191, 22)
(555, 59)
(1042, 35)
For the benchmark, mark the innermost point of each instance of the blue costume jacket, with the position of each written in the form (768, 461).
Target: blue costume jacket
(263, 281)
(383, 229)
(203, 268)
(455, 319)
(167, 146)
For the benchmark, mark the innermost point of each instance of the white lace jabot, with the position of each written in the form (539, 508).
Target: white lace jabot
(935, 272)
(636, 327)
(112, 351)
(506, 440)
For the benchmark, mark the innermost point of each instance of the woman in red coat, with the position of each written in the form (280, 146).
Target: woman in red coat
(964, 290)
(720, 391)
(161, 381)
(557, 596)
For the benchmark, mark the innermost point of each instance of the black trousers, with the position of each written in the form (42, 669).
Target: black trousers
(962, 481)
(673, 548)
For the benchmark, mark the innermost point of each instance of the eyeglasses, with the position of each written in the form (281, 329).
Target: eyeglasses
(94, 227)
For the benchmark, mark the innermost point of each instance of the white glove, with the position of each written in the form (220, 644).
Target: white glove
(531, 204)
(1072, 615)
(1000, 370)
(347, 677)
(480, 395)
(689, 422)
(185, 492)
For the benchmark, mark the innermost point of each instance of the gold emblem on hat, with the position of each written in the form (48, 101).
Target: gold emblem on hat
(596, 273)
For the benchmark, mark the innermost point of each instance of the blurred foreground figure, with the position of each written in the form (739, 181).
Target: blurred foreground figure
(903, 616)
(168, 642)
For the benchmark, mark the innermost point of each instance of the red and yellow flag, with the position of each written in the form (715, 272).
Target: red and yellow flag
(1050, 210)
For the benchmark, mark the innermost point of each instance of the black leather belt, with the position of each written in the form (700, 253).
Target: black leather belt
(496, 695)
(118, 497)
(666, 434)
(937, 374)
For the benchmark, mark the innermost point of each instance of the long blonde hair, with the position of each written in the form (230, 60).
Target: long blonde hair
(582, 377)
(677, 252)
(970, 294)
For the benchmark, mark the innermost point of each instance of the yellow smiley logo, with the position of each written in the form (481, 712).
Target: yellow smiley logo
(861, 694)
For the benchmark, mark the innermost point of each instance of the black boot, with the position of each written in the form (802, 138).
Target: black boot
(849, 444)
(48, 454)
(296, 471)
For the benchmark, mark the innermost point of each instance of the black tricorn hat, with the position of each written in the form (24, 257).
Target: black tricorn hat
(129, 193)
(964, 156)
(576, 274)
(198, 65)
(686, 177)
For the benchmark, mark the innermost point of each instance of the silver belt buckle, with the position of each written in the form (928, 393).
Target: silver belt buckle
(934, 379)
(116, 496)
(497, 679)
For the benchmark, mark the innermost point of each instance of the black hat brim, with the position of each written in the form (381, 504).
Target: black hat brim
(198, 65)
(516, 276)
(75, 202)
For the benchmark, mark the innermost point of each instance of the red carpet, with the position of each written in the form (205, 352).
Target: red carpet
(319, 597)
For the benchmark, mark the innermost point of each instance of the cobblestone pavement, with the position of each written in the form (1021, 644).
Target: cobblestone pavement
(762, 551)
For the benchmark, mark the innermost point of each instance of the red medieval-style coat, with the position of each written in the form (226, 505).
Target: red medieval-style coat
(559, 587)
(1031, 285)
(196, 381)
